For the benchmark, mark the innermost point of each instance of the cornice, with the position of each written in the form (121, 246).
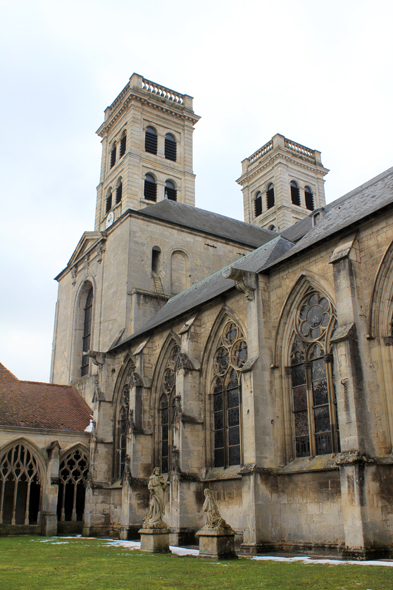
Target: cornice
(270, 161)
(144, 99)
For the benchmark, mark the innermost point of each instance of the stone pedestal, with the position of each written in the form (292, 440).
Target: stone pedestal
(216, 545)
(49, 524)
(154, 540)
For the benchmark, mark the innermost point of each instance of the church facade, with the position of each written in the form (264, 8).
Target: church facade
(252, 358)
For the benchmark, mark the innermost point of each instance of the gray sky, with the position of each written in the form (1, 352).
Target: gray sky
(318, 72)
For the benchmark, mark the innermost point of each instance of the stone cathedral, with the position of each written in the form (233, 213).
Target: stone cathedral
(252, 358)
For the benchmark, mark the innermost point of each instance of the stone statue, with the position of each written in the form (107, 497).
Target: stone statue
(157, 485)
(214, 518)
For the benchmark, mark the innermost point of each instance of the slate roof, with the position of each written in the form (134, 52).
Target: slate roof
(299, 229)
(212, 286)
(31, 404)
(346, 211)
(208, 222)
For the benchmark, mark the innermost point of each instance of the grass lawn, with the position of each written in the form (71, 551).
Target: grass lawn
(36, 563)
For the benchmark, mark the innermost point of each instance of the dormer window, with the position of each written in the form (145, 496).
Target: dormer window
(309, 198)
(123, 145)
(258, 204)
(170, 191)
(170, 147)
(151, 140)
(150, 189)
(295, 193)
(270, 196)
(113, 155)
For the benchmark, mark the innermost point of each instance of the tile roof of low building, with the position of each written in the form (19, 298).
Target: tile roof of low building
(208, 222)
(31, 404)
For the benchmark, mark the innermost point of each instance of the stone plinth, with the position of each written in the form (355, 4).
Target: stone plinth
(216, 544)
(154, 540)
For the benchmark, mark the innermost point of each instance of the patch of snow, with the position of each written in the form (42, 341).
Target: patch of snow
(183, 551)
(322, 561)
(89, 427)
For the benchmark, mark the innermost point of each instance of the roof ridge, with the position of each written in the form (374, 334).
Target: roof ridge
(46, 383)
(9, 372)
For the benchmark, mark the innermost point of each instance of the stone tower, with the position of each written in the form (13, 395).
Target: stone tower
(146, 150)
(282, 183)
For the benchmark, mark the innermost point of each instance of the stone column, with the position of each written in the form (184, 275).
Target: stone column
(50, 490)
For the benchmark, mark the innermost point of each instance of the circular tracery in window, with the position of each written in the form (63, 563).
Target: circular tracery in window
(314, 317)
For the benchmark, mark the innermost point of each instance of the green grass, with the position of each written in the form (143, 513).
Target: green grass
(28, 563)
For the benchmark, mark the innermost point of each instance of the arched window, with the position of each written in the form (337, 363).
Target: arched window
(167, 410)
(309, 198)
(151, 140)
(170, 147)
(270, 196)
(108, 202)
(295, 193)
(113, 155)
(150, 189)
(170, 191)
(229, 357)
(313, 397)
(155, 259)
(123, 145)
(88, 311)
(258, 204)
(122, 428)
(71, 500)
(272, 227)
(179, 272)
(119, 191)
(20, 487)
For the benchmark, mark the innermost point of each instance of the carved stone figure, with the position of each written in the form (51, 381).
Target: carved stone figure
(157, 486)
(214, 518)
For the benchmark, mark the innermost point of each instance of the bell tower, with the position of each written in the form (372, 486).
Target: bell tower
(282, 183)
(146, 150)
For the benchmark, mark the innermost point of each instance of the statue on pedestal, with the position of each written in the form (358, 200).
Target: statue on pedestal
(156, 486)
(216, 538)
(214, 518)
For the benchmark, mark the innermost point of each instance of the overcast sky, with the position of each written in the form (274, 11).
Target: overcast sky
(319, 72)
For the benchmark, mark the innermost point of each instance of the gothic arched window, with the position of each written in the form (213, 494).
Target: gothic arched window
(151, 140)
(167, 410)
(313, 397)
(229, 358)
(20, 487)
(295, 193)
(88, 312)
(122, 428)
(170, 147)
(73, 474)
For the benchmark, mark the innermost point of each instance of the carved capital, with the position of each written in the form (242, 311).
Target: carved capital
(244, 279)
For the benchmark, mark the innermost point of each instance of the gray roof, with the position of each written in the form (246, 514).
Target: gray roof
(301, 228)
(346, 211)
(212, 286)
(209, 223)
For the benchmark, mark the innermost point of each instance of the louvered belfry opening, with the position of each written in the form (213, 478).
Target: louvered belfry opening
(170, 191)
(113, 156)
(270, 196)
(170, 147)
(150, 190)
(309, 198)
(119, 192)
(151, 140)
(123, 145)
(71, 498)
(108, 203)
(258, 204)
(295, 193)
(87, 332)
(20, 487)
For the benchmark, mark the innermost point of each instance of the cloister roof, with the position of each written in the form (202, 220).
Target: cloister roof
(31, 404)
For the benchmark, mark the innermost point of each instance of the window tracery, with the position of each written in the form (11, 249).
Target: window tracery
(73, 473)
(229, 358)
(20, 487)
(122, 429)
(313, 397)
(168, 409)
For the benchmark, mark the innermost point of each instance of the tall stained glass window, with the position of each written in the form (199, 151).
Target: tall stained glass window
(167, 409)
